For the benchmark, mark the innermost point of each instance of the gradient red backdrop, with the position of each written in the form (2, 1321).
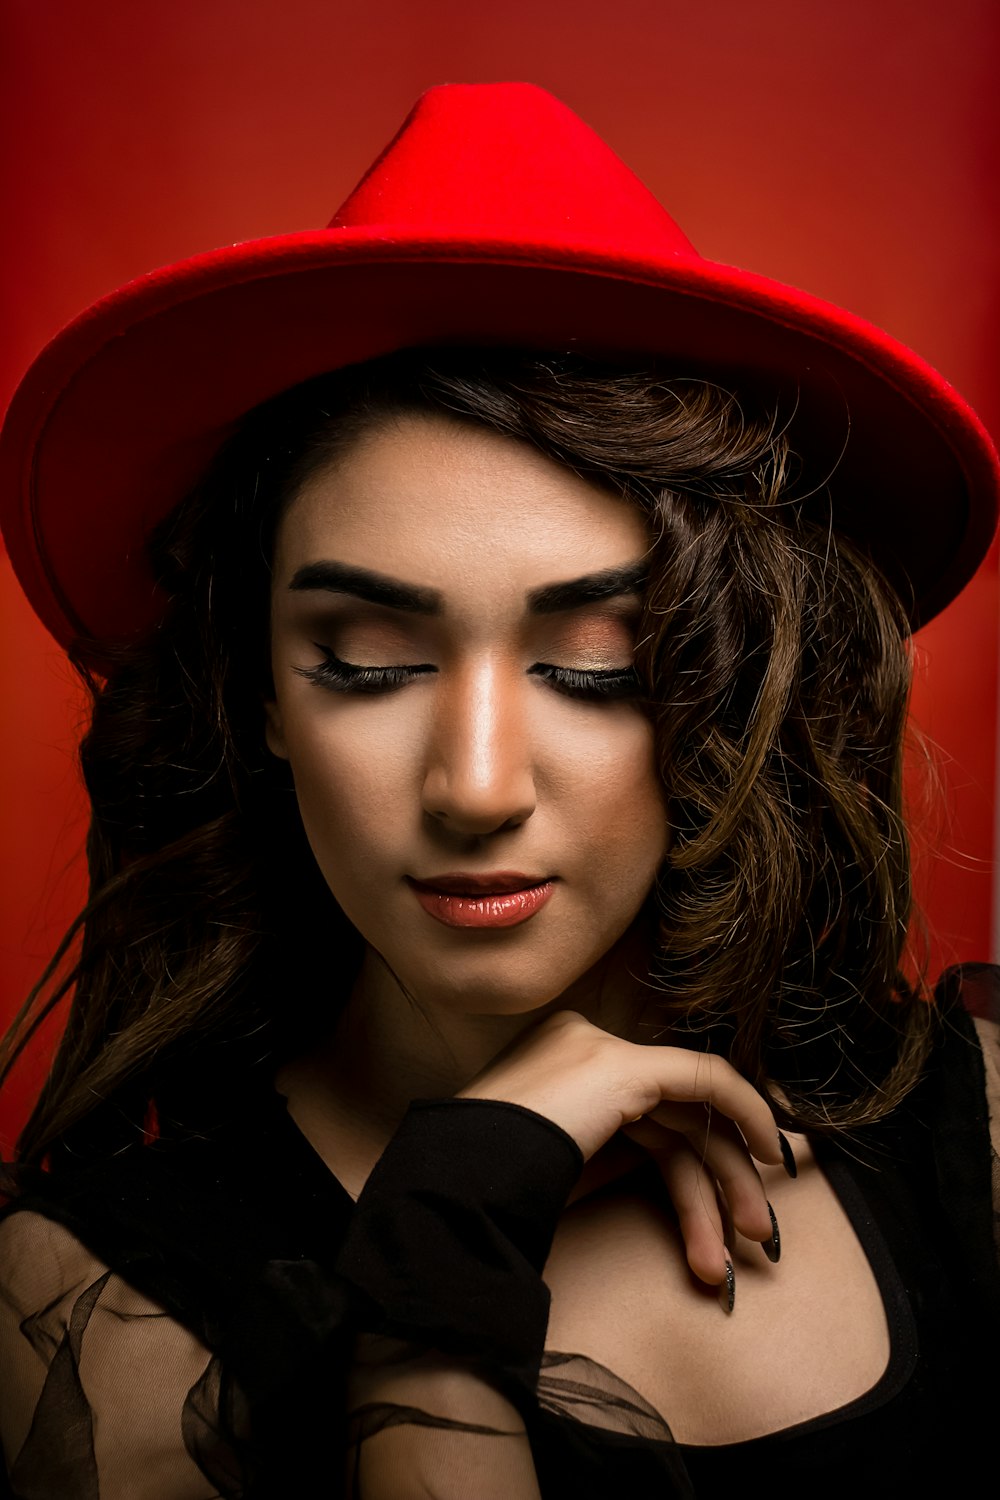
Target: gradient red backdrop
(852, 149)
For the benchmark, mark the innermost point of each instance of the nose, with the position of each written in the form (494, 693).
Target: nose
(479, 776)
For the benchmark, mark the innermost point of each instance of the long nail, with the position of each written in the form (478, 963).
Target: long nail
(728, 1288)
(787, 1156)
(772, 1247)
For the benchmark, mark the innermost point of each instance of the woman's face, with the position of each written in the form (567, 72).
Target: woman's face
(453, 618)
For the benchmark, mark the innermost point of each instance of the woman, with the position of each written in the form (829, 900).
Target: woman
(495, 766)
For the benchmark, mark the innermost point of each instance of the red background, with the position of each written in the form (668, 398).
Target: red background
(852, 149)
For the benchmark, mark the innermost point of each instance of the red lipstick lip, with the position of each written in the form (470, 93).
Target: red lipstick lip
(503, 899)
(498, 883)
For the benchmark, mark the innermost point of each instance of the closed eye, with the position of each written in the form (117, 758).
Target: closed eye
(616, 682)
(349, 677)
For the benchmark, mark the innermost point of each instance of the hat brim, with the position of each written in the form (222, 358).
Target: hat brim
(123, 412)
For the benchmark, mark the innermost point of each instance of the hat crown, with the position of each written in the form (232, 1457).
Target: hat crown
(508, 162)
(495, 218)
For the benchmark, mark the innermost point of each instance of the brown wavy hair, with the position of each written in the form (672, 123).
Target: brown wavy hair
(776, 671)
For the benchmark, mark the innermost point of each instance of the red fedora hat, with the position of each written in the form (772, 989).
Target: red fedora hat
(495, 217)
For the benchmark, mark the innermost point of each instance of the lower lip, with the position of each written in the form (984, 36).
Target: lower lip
(505, 909)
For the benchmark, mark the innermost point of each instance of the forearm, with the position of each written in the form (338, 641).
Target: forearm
(447, 1247)
(424, 1426)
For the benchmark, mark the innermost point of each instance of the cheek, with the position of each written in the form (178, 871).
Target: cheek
(640, 837)
(619, 798)
(600, 811)
(350, 790)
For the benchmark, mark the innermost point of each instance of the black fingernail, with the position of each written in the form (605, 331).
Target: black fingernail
(772, 1247)
(787, 1156)
(728, 1289)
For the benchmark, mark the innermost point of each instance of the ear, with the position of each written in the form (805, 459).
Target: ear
(274, 736)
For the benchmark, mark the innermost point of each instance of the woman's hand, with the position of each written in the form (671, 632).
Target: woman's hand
(691, 1111)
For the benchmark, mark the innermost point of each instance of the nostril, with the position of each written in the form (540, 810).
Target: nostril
(472, 804)
(481, 823)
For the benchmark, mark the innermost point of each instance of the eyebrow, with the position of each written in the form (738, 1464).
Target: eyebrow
(550, 599)
(362, 583)
(590, 589)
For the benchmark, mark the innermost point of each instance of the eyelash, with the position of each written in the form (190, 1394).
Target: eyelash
(616, 683)
(345, 677)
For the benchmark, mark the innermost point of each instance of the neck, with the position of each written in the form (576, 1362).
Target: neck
(388, 1049)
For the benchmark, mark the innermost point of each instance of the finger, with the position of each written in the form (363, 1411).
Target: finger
(722, 1151)
(692, 1193)
(703, 1078)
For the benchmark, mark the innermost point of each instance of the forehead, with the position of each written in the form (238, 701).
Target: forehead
(455, 506)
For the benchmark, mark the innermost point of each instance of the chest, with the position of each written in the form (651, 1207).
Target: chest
(806, 1335)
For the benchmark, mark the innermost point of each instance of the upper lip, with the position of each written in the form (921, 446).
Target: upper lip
(498, 882)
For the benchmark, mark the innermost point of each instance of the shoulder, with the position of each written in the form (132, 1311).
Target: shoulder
(988, 1035)
(97, 1379)
(959, 1104)
(41, 1261)
(963, 1073)
(43, 1264)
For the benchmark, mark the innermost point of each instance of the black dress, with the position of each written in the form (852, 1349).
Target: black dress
(116, 1278)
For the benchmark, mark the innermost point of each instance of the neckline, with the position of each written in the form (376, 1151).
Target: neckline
(324, 1178)
(903, 1341)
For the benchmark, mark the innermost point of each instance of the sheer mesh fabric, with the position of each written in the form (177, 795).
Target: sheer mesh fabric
(450, 1391)
(978, 987)
(435, 1402)
(989, 1039)
(581, 1390)
(423, 1424)
(103, 1393)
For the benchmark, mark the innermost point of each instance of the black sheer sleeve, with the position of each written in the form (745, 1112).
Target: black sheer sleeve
(103, 1394)
(964, 1114)
(451, 1357)
(989, 1040)
(398, 1359)
(215, 1317)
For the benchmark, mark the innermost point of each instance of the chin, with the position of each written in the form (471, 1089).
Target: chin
(493, 984)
